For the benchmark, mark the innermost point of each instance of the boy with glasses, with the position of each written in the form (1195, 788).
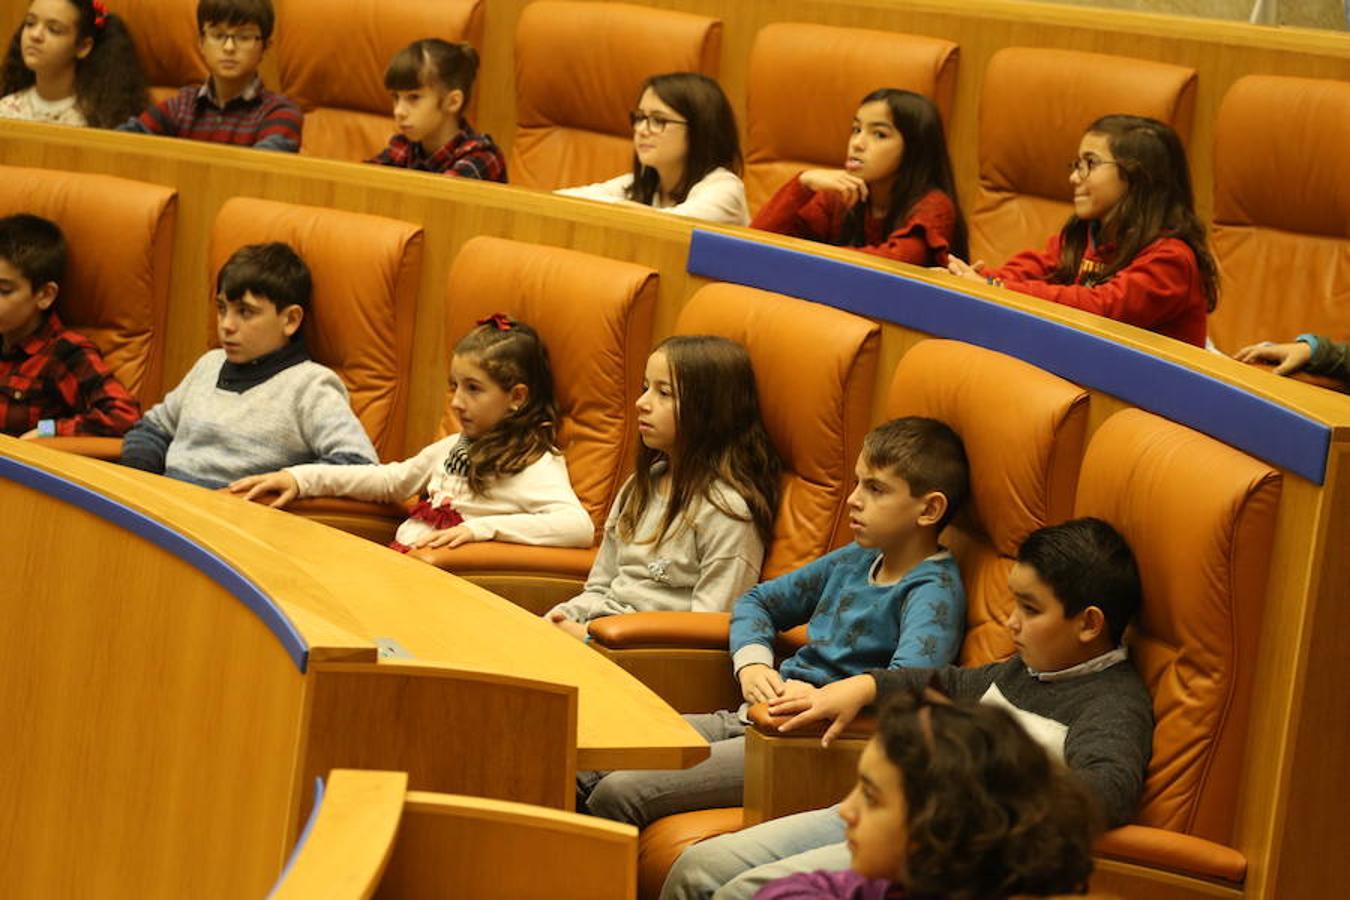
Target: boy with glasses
(232, 106)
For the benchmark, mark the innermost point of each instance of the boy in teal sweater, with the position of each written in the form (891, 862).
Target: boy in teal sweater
(892, 598)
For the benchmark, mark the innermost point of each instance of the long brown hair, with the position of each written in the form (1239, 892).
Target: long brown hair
(511, 353)
(719, 437)
(1158, 203)
(713, 140)
(989, 814)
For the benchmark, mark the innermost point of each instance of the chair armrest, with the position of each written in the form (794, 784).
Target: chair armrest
(1173, 851)
(685, 630)
(862, 728)
(109, 448)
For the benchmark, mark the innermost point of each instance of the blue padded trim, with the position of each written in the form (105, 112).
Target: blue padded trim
(166, 538)
(1261, 427)
(304, 835)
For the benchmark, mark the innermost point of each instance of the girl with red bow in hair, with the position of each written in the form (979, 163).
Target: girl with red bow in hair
(500, 477)
(71, 62)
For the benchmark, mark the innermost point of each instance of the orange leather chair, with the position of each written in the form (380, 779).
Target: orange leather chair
(595, 316)
(1034, 107)
(119, 235)
(786, 132)
(814, 367)
(1200, 517)
(578, 70)
(337, 75)
(1282, 210)
(366, 271)
(167, 43)
(1023, 471)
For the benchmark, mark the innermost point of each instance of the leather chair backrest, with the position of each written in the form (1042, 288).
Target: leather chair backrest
(1034, 107)
(119, 239)
(1200, 517)
(578, 70)
(1023, 465)
(167, 43)
(331, 56)
(366, 271)
(814, 369)
(788, 130)
(1282, 210)
(595, 316)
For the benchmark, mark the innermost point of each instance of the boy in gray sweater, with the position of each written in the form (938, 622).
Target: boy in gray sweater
(258, 403)
(1075, 587)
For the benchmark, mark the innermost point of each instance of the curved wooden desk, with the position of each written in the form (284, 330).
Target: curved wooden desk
(181, 664)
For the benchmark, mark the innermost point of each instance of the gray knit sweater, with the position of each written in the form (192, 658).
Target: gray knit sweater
(210, 436)
(1107, 719)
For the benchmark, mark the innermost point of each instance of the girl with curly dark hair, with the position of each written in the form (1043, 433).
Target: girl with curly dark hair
(71, 62)
(956, 801)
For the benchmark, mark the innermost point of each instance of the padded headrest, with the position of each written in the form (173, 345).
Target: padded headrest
(1036, 104)
(595, 316)
(786, 132)
(366, 271)
(1023, 466)
(1200, 517)
(119, 238)
(167, 42)
(578, 70)
(334, 52)
(580, 64)
(1279, 155)
(814, 368)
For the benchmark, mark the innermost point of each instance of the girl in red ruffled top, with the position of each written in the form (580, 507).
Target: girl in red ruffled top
(1134, 249)
(895, 196)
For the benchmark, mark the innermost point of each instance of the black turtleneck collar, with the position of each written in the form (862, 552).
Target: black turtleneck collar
(239, 377)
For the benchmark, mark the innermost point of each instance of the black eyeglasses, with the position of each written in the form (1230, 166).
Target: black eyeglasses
(1084, 166)
(655, 122)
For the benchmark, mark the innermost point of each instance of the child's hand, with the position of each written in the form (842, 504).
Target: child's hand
(29, 435)
(1288, 358)
(446, 537)
(850, 188)
(962, 269)
(282, 483)
(794, 689)
(575, 629)
(838, 702)
(759, 683)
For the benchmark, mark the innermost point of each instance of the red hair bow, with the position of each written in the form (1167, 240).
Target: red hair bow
(499, 321)
(100, 13)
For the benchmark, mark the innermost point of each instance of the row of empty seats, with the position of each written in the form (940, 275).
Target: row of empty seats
(1279, 224)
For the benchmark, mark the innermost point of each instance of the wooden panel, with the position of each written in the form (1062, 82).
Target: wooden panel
(790, 775)
(351, 838)
(1139, 881)
(484, 850)
(476, 733)
(692, 681)
(153, 716)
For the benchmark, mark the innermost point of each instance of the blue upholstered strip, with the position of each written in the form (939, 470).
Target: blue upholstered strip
(304, 835)
(166, 538)
(1226, 412)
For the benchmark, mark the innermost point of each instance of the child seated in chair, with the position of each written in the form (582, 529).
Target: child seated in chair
(53, 381)
(232, 106)
(892, 598)
(258, 402)
(1070, 684)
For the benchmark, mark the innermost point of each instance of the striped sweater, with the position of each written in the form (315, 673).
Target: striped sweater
(255, 118)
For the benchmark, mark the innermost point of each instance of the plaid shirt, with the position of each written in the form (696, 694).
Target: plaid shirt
(468, 155)
(58, 374)
(256, 118)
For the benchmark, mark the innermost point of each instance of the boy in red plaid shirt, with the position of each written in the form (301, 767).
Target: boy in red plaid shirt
(53, 381)
(430, 81)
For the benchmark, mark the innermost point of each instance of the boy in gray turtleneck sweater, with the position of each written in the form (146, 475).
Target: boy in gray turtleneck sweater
(258, 403)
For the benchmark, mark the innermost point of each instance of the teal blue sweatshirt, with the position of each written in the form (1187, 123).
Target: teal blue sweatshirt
(853, 624)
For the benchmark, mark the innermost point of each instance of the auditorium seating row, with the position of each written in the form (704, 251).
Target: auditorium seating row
(1280, 197)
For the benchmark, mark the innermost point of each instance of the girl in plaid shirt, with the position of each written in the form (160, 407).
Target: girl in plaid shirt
(430, 81)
